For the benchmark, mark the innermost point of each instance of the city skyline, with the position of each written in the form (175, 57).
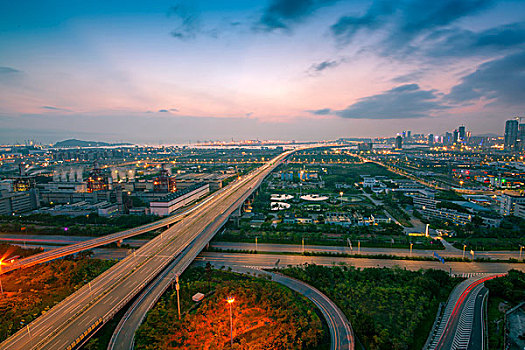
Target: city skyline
(273, 69)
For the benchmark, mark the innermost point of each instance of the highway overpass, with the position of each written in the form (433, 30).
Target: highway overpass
(76, 318)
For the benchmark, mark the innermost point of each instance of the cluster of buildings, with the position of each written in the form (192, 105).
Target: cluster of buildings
(101, 191)
(346, 219)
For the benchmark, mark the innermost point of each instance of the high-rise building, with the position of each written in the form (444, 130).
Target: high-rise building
(462, 134)
(521, 136)
(409, 134)
(448, 139)
(456, 136)
(430, 139)
(511, 134)
(404, 134)
(399, 142)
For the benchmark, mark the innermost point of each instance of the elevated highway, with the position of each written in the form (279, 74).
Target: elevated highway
(71, 322)
(99, 241)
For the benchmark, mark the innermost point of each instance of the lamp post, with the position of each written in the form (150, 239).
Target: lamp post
(230, 301)
(411, 244)
(464, 246)
(177, 286)
(521, 248)
(341, 195)
(1, 287)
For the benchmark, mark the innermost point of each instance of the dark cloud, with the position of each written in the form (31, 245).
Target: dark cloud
(324, 111)
(409, 77)
(457, 42)
(53, 108)
(324, 65)
(406, 20)
(8, 70)
(168, 110)
(188, 20)
(280, 14)
(501, 80)
(402, 102)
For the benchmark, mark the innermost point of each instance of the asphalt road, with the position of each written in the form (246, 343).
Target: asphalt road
(462, 326)
(341, 334)
(99, 241)
(74, 319)
(449, 251)
(280, 260)
(56, 241)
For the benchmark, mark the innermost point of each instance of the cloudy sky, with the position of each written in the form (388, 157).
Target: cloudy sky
(174, 71)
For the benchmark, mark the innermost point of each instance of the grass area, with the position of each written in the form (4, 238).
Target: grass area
(482, 244)
(33, 291)
(388, 308)
(368, 238)
(266, 315)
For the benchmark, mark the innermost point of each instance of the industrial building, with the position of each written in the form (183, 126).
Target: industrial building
(12, 203)
(168, 204)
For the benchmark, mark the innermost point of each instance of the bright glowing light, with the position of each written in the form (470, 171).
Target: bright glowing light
(230, 300)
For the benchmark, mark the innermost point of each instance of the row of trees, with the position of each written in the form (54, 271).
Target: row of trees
(388, 308)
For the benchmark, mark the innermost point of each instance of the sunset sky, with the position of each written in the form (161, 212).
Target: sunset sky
(175, 71)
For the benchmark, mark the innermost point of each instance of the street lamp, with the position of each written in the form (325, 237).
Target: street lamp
(521, 248)
(411, 244)
(1, 287)
(341, 194)
(464, 246)
(230, 301)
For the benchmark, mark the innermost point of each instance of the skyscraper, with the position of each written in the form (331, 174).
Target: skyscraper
(462, 134)
(399, 142)
(430, 139)
(521, 136)
(448, 139)
(409, 134)
(456, 135)
(511, 134)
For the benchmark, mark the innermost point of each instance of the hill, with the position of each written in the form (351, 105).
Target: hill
(80, 143)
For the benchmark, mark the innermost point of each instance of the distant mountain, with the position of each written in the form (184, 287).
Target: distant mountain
(80, 143)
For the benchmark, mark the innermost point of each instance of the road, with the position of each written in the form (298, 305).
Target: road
(56, 241)
(462, 324)
(60, 252)
(270, 260)
(74, 319)
(448, 252)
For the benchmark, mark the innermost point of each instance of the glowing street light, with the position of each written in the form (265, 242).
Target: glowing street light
(1, 287)
(464, 246)
(341, 195)
(411, 244)
(230, 301)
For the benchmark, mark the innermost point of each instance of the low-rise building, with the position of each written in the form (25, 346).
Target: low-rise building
(341, 219)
